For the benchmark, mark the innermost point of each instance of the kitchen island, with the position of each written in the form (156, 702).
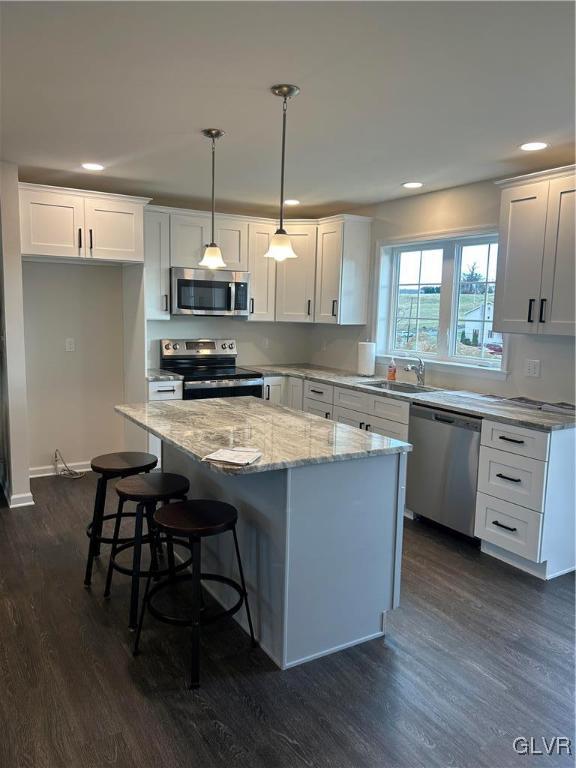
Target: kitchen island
(320, 516)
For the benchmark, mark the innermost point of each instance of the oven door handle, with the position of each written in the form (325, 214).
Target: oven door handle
(215, 384)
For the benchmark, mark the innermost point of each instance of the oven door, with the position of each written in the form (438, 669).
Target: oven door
(209, 292)
(196, 390)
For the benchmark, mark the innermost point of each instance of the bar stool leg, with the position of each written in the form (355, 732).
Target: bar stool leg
(115, 536)
(243, 583)
(136, 567)
(196, 589)
(171, 560)
(94, 547)
(154, 545)
(136, 649)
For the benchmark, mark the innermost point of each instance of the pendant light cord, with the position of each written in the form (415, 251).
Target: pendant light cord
(284, 111)
(213, 186)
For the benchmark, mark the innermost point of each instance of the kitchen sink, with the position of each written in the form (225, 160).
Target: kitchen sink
(403, 386)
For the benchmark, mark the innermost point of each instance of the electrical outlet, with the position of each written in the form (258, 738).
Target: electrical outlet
(532, 368)
(70, 345)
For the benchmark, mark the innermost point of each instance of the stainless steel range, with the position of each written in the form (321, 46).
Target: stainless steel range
(209, 368)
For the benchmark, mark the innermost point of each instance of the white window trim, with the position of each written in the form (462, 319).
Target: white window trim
(385, 250)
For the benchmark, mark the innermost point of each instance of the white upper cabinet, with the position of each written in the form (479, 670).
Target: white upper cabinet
(342, 271)
(535, 276)
(115, 229)
(64, 223)
(558, 275)
(189, 235)
(232, 237)
(157, 264)
(295, 277)
(262, 273)
(51, 224)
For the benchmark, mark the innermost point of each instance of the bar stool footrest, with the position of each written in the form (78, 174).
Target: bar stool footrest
(128, 571)
(109, 539)
(205, 617)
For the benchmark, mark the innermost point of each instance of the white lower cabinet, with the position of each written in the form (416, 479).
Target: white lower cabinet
(509, 526)
(513, 478)
(318, 408)
(294, 393)
(274, 389)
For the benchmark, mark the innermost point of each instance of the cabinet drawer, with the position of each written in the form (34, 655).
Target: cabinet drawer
(512, 478)
(165, 390)
(388, 408)
(351, 398)
(509, 526)
(316, 391)
(387, 427)
(317, 408)
(350, 417)
(523, 442)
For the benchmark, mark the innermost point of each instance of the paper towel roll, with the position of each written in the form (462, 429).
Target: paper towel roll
(366, 358)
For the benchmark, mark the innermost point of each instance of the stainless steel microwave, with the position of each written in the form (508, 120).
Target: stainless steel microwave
(209, 292)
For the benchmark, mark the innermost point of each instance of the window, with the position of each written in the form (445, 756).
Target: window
(441, 302)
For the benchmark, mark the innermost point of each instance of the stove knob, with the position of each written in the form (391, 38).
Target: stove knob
(223, 346)
(175, 346)
(166, 346)
(230, 346)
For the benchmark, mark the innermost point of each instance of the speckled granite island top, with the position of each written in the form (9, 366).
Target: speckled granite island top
(286, 438)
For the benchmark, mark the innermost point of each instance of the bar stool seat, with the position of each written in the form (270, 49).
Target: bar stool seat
(195, 519)
(146, 491)
(110, 466)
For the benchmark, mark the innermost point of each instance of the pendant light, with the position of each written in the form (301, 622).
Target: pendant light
(212, 258)
(280, 245)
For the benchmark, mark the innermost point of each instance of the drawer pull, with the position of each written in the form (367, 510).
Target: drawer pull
(368, 427)
(443, 421)
(166, 390)
(317, 391)
(327, 415)
(511, 440)
(361, 425)
(506, 527)
(510, 479)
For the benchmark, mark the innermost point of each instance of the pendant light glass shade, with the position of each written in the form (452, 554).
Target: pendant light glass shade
(212, 258)
(280, 247)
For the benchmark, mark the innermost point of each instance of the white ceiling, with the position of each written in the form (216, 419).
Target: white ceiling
(438, 92)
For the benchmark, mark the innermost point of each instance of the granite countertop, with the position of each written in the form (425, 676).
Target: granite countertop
(286, 438)
(474, 404)
(155, 374)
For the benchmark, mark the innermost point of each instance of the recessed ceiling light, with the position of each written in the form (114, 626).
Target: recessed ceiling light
(291, 202)
(412, 184)
(533, 146)
(92, 167)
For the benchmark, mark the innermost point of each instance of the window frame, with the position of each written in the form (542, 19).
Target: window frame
(449, 294)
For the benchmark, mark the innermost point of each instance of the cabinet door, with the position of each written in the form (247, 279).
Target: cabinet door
(295, 393)
(520, 255)
(232, 237)
(189, 236)
(556, 310)
(328, 273)
(51, 224)
(157, 265)
(274, 389)
(262, 273)
(114, 229)
(295, 278)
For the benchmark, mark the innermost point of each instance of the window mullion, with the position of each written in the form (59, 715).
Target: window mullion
(446, 301)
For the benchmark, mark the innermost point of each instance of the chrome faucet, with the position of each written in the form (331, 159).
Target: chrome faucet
(419, 370)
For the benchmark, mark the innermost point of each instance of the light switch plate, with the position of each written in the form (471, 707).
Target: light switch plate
(70, 345)
(532, 368)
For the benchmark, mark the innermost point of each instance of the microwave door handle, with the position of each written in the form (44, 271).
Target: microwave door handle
(231, 296)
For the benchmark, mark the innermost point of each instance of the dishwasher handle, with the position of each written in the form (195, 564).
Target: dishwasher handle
(450, 418)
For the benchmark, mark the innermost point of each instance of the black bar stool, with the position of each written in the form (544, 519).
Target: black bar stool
(194, 520)
(110, 466)
(147, 491)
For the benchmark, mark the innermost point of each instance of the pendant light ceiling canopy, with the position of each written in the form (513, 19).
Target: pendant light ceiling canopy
(280, 245)
(212, 258)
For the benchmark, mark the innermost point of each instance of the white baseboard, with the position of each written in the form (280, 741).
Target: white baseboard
(49, 469)
(20, 500)
(540, 570)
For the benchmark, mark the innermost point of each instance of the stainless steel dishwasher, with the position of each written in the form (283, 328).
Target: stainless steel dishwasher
(443, 466)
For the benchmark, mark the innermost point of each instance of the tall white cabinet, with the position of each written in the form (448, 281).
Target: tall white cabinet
(535, 276)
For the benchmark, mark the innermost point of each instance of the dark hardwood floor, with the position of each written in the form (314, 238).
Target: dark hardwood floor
(477, 655)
